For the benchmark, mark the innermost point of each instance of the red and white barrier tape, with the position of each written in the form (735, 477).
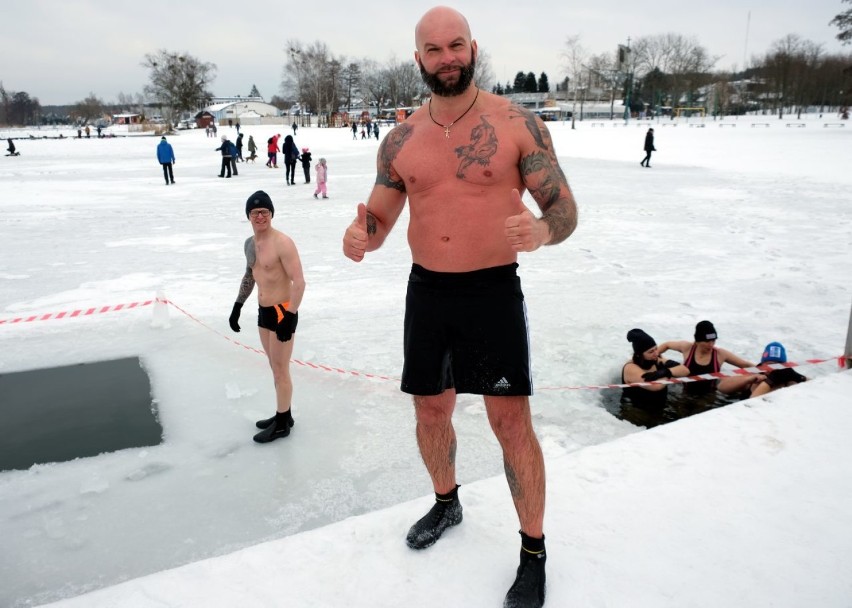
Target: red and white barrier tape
(319, 366)
(82, 312)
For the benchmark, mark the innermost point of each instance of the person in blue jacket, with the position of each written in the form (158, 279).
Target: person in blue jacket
(166, 157)
(227, 156)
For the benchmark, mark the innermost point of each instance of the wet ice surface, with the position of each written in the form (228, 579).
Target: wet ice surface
(743, 226)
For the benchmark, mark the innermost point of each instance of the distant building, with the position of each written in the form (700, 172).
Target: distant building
(246, 109)
(126, 119)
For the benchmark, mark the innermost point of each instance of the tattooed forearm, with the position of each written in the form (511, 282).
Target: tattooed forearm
(371, 224)
(246, 286)
(561, 219)
(388, 151)
(548, 186)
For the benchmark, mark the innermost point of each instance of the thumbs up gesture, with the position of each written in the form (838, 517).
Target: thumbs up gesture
(523, 231)
(355, 237)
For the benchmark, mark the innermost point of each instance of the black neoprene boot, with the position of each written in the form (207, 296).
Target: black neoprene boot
(528, 589)
(266, 422)
(446, 512)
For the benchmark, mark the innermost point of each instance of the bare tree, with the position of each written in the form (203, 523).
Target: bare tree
(483, 75)
(573, 57)
(88, 109)
(178, 82)
(681, 58)
(843, 21)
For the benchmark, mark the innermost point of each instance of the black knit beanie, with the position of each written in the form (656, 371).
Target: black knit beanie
(259, 200)
(640, 341)
(704, 331)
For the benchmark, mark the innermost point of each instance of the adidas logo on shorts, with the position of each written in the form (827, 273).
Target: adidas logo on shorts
(502, 385)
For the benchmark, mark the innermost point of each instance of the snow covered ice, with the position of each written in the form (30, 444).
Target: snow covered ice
(749, 227)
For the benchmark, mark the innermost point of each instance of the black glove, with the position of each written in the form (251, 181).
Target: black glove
(672, 363)
(659, 374)
(287, 326)
(235, 316)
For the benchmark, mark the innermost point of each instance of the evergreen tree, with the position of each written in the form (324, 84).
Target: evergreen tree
(520, 80)
(530, 85)
(543, 85)
(254, 92)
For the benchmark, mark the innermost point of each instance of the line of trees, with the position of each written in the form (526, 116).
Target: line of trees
(658, 71)
(672, 70)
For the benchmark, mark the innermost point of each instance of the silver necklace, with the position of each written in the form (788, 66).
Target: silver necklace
(447, 127)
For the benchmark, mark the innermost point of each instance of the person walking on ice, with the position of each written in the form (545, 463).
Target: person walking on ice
(166, 157)
(272, 261)
(649, 147)
(465, 318)
(322, 178)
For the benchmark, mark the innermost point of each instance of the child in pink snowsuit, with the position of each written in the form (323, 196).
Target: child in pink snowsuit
(322, 173)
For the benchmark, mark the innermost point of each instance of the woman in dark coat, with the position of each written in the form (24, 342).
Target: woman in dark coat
(291, 156)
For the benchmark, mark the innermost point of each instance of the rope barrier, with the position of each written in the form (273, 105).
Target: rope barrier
(82, 312)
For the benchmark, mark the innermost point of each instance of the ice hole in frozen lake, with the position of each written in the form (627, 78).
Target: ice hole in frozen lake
(62, 413)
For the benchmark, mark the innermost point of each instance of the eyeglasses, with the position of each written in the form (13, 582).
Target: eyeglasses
(259, 213)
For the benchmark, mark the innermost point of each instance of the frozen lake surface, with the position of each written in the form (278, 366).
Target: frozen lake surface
(750, 227)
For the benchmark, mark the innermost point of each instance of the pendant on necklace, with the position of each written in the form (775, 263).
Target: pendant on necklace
(447, 132)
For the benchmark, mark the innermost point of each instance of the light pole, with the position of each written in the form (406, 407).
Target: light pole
(296, 58)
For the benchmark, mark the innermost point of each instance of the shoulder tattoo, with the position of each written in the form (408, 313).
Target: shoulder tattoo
(388, 151)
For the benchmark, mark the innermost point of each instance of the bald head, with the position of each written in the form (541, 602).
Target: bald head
(440, 21)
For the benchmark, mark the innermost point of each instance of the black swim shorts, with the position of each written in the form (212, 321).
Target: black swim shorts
(468, 331)
(268, 317)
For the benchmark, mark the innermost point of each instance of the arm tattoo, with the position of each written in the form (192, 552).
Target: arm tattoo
(371, 224)
(546, 191)
(483, 145)
(388, 151)
(530, 123)
(545, 180)
(246, 286)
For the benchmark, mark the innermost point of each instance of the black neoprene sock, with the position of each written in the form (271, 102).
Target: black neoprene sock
(532, 545)
(451, 495)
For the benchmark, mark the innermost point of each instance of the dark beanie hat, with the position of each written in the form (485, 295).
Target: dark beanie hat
(704, 331)
(640, 340)
(259, 200)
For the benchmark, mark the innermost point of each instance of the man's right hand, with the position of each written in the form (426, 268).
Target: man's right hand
(355, 237)
(233, 320)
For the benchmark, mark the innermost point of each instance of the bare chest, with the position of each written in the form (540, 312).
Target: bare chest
(473, 153)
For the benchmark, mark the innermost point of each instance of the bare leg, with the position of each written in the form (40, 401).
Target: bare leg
(279, 354)
(436, 438)
(522, 459)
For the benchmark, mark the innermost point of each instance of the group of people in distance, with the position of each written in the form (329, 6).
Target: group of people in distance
(700, 356)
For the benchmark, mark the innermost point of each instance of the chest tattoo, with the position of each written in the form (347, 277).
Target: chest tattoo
(483, 145)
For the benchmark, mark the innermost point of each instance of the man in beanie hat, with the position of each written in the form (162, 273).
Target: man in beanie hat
(646, 365)
(166, 157)
(272, 261)
(702, 356)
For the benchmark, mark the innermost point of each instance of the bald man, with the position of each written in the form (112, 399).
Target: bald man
(462, 162)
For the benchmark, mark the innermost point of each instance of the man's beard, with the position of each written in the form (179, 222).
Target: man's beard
(449, 90)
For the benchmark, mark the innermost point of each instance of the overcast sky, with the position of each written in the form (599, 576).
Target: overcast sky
(59, 52)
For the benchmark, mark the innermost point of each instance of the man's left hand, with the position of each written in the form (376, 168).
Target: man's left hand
(524, 231)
